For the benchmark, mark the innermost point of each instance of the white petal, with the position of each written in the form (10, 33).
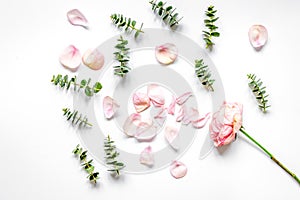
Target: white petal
(131, 124)
(178, 169)
(156, 95)
(258, 36)
(109, 107)
(93, 59)
(166, 53)
(70, 58)
(171, 133)
(183, 98)
(76, 18)
(141, 101)
(201, 122)
(147, 157)
(145, 132)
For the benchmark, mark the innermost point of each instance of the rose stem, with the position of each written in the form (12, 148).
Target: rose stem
(271, 156)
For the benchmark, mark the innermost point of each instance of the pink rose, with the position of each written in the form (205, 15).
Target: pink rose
(226, 123)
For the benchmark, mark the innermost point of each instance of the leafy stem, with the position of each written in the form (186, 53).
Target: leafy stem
(212, 29)
(76, 117)
(204, 75)
(122, 56)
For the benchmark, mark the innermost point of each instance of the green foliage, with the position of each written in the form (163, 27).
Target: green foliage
(86, 165)
(122, 56)
(65, 82)
(166, 13)
(111, 156)
(259, 91)
(204, 74)
(76, 118)
(212, 29)
(129, 24)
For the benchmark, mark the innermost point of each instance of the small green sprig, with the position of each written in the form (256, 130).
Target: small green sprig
(87, 165)
(65, 82)
(111, 156)
(212, 29)
(122, 56)
(167, 14)
(129, 24)
(259, 91)
(204, 75)
(76, 118)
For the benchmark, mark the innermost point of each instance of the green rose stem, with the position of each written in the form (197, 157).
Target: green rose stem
(271, 156)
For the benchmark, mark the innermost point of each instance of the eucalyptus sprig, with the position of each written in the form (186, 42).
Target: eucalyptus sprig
(65, 82)
(166, 13)
(259, 91)
(204, 75)
(212, 29)
(122, 56)
(87, 165)
(76, 117)
(129, 24)
(111, 156)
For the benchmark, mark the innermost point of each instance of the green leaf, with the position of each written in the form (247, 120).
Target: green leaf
(133, 23)
(215, 34)
(97, 87)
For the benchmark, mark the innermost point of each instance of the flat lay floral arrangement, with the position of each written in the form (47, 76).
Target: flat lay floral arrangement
(224, 125)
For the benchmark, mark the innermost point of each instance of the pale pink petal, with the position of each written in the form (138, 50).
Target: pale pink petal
(76, 18)
(94, 59)
(156, 95)
(178, 169)
(180, 114)
(201, 122)
(190, 115)
(147, 157)
(109, 107)
(166, 53)
(161, 116)
(141, 101)
(171, 133)
(171, 108)
(70, 58)
(183, 98)
(258, 36)
(131, 124)
(145, 132)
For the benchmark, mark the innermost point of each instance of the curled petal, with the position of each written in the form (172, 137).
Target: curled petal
(76, 18)
(201, 122)
(190, 115)
(171, 108)
(183, 98)
(258, 36)
(93, 59)
(166, 53)
(145, 132)
(180, 114)
(178, 169)
(160, 116)
(109, 107)
(141, 101)
(155, 93)
(131, 124)
(171, 133)
(147, 157)
(70, 58)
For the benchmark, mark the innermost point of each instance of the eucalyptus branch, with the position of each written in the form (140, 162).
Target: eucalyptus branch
(76, 117)
(212, 29)
(121, 21)
(87, 165)
(65, 82)
(122, 56)
(259, 91)
(204, 75)
(167, 14)
(111, 156)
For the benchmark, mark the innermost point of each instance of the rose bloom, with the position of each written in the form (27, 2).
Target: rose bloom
(226, 123)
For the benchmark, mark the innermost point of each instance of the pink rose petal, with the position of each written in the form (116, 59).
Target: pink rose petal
(70, 58)
(171, 108)
(93, 59)
(155, 93)
(145, 132)
(190, 115)
(109, 107)
(131, 124)
(76, 18)
(166, 53)
(161, 116)
(201, 122)
(178, 169)
(183, 98)
(258, 36)
(180, 114)
(171, 133)
(141, 101)
(147, 157)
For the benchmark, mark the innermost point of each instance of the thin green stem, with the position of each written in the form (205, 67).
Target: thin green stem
(270, 155)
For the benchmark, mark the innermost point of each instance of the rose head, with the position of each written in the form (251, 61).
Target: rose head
(225, 123)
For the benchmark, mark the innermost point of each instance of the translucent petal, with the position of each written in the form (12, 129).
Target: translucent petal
(147, 157)
(171, 134)
(258, 36)
(141, 101)
(109, 107)
(145, 132)
(183, 98)
(166, 53)
(93, 59)
(76, 18)
(178, 169)
(70, 58)
(156, 95)
(131, 124)
(201, 122)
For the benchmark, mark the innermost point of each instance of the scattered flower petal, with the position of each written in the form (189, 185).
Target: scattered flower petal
(109, 107)
(183, 98)
(70, 58)
(180, 114)
(155, 93)
(94, 59)
(161, 116)
(201, 122)
(131, 124)
(141, 101)
(166, 53)
(147, 157)
(145, 132)
(178, 169)
(76, 18)
(171, 133)
(258, 36)
(171, 108)
(190, 115)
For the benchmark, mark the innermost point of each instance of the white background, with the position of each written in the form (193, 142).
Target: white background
(36, 142)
